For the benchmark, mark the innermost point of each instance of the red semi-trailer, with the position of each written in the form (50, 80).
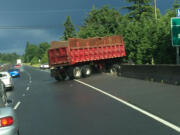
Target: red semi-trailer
(77, 57)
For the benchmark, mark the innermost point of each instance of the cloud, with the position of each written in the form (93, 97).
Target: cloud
(15, 40)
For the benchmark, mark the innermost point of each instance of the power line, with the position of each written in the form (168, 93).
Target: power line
(31, 27)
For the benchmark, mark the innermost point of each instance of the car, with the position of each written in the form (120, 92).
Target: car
(8, 118)
(7, 80)
(44, 66)
(17, 66)
(14, 72)
(2, 91)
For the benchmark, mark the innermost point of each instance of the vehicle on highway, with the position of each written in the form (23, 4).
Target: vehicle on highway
(2, 91)
(14, 72)
(78, 58)
(17, 66)
(19, 61)
(44, 66)
(8, 119)
(7, 80)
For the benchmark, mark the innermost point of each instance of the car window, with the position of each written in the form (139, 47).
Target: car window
(3, 75)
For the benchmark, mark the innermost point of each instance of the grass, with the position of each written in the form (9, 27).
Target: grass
(33, 65)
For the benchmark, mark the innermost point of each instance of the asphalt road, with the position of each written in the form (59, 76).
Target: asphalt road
(47, 107)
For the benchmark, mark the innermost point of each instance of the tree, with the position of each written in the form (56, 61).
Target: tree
(100, 22)
(139, 7)
(31, 51)
(34, 60)
(69, 31)
(43, 47)
(8, 57)
(44, 58)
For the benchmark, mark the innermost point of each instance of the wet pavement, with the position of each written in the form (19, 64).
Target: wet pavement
(48, 107)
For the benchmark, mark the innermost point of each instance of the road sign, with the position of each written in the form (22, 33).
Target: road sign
(178, 12)
(175, 31)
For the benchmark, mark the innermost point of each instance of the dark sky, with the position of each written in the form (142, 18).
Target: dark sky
(44, 19)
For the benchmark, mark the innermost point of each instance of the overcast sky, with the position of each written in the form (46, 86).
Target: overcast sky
(45, 19)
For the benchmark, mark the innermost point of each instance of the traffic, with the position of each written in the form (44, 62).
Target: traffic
(89, 67)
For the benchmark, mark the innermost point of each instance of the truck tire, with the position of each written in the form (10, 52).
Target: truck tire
(86, 71)
(77, 72)
(57, 78)
(114, 69)
(60, 76)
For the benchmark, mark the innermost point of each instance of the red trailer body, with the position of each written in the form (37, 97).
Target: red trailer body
(84, 50)
(77, 57)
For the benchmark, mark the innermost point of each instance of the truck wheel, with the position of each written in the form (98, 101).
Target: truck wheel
(114, 69)
(86, 71)
(77, 73)
(57, 78)
(60, 77)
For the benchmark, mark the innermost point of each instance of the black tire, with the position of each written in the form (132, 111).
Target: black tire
(18, 132)
(11, 88)
(69, 72)
(57, 78)
(114, 70)
(60, 76)
(86, 71)
(77, 72)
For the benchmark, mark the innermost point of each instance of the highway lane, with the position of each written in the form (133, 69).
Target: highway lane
(160, 99)
(21, 84)
(70, 108)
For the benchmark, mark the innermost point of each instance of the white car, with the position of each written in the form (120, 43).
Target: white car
(8, 118)
(7, 80)
(44, 66)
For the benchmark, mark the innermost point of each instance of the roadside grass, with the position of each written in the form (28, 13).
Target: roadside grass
(33, 65)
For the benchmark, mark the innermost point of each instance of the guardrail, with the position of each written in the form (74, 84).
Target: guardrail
(159, 73)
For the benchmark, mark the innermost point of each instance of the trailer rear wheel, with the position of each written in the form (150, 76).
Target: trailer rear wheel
(114, 69)
(77, 72)
(86, 70)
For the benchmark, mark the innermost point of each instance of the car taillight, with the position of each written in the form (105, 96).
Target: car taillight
(6, 121)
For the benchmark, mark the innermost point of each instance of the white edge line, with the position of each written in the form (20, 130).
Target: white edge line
(168, 124)
(17, 105)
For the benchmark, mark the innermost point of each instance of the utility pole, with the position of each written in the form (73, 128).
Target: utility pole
(155, 11)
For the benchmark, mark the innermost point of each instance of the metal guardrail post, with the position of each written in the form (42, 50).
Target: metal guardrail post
(177, 55)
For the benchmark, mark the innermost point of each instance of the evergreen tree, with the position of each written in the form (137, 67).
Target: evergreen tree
(69, 31)
(100, 22)
(140, 7)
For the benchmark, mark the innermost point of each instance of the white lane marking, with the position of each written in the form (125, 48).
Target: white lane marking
(168, 124)
(17, 105)
(27, 88)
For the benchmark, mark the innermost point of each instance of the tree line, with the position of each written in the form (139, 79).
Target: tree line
(36, 53)
(147, 37)
(9, 57)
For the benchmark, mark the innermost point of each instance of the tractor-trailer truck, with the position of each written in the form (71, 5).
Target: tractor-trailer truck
(78, 57)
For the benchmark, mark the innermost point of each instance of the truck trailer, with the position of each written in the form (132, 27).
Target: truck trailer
(78, 57)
